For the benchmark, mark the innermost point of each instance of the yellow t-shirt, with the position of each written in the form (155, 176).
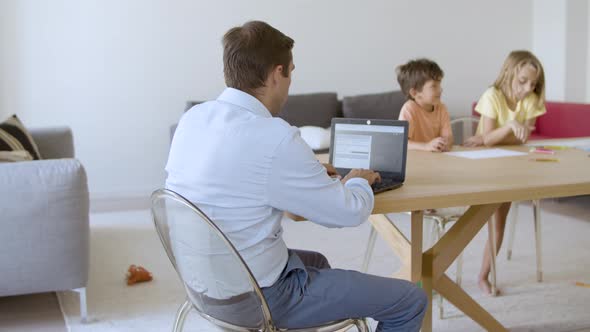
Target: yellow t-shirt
(493, 105)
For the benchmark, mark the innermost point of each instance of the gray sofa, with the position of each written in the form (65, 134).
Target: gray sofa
(318, 109)
(44, 241)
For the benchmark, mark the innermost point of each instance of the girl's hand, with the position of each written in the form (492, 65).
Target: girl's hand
(521, 132)
(474, 141)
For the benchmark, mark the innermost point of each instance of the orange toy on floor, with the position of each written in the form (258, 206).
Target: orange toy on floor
(137, 274)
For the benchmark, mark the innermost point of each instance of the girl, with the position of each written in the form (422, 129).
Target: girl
(508, 111)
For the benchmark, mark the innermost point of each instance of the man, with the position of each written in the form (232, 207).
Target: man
(244, 168)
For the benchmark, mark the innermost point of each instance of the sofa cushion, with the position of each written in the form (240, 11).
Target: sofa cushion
(312, 109)
(564, 120)
(191, 103)
(14, 136)
(317, 138)
(386, 105)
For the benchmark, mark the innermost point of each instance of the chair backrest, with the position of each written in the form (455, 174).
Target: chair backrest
(217, 280)
(464, 128)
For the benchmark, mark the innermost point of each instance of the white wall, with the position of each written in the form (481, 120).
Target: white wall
(6, 30)
(577, 50)
(119, 72)
(560, 40)
(549, 44)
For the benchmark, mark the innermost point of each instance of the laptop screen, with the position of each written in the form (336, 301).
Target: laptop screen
(380, 145)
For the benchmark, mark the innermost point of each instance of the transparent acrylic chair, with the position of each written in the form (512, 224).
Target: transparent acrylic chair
(218, 283)
(537, 226)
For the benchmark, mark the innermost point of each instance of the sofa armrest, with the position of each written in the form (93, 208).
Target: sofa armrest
(54, 142)
(44, 242)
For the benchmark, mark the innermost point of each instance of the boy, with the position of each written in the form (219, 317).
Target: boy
(429, 122)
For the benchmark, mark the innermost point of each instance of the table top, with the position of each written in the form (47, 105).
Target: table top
(437, 180)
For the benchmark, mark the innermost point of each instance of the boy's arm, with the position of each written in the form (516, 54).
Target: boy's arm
(413, 145)
(446, 131)
(449, 141)
(436, 145)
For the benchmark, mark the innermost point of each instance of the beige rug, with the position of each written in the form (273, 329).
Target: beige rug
(124, 238)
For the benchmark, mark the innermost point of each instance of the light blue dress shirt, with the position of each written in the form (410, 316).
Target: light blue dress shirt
(243, 168)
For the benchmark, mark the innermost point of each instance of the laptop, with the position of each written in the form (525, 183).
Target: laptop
(379, 145)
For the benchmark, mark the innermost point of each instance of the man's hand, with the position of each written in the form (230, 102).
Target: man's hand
(367, 174)
(436, 145)
(474, 141)
(331, 171)
(521, 132)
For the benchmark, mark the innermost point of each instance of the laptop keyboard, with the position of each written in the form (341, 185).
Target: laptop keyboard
(385, 184)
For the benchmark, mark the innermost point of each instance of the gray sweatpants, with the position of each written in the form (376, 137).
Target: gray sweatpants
(308, 292)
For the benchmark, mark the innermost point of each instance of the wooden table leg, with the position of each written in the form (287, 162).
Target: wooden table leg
(437, 259)
(457, 296)
(397, 241)
(427, 286)
(410, 255)
(416, 245)
(431, 265)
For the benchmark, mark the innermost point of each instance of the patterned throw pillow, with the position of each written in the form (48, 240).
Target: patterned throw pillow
(12, 156)
(14, 137)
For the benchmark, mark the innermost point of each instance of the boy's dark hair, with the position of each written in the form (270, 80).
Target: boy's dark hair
(416, 73)
(251, 52)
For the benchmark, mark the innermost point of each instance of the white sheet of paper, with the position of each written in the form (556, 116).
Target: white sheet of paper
(487, 153)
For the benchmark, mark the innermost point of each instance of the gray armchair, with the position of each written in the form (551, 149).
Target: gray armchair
(44, 206)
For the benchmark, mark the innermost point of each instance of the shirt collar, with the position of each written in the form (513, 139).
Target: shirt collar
(244, 100)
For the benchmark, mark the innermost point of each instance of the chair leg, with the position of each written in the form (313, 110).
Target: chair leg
(369, 250)
(440, 230)
(435, 233)
(361, 325)
(512, 230)
(83, 305)
(537, 219)
(459, 277)
(181, 316)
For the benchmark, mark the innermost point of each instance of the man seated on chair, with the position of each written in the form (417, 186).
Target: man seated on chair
(244, 168)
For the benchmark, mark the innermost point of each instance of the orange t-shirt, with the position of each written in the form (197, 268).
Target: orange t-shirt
(425, 126)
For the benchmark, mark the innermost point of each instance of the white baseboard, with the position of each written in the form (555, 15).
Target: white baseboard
(111, 202)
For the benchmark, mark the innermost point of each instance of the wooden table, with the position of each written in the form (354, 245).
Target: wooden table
(437, 180)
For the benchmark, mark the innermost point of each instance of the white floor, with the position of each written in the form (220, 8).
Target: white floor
(525, 305)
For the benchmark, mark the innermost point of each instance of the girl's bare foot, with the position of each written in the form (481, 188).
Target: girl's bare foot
(485, 286)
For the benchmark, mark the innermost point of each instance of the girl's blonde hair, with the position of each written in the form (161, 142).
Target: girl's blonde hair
(514, 62)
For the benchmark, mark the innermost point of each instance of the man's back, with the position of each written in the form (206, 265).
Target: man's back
(244, 168)
(220, 158)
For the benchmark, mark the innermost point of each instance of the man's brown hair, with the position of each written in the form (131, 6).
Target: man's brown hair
(416, 73)
(251, 52)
